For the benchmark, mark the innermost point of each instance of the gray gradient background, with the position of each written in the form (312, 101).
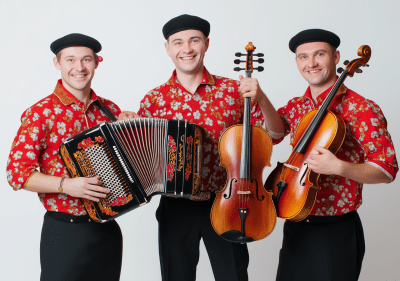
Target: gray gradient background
(135, 62)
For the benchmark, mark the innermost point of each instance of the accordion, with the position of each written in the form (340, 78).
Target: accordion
(136, 159)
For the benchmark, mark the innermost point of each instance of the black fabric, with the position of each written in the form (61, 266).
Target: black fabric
(75, 40)
(80, 252)
(182, 223)
(69, 218)
(322, 251)
(185, 22)
(313, 35)
(105, 110)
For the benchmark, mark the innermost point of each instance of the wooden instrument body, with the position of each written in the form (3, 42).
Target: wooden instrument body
(261, 214)
(297, 199)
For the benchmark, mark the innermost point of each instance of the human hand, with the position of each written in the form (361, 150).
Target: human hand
(127, 115)
(88, 188)
(250, 88)
(322, 161)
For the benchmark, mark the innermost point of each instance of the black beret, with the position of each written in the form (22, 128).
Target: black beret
(313, 35)
(75, 40)
(184, 22)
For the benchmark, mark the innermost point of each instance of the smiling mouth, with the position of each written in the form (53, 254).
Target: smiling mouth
(187, 58)
(79, 75)
(314, 71)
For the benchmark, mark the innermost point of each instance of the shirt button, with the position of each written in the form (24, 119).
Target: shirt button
(89, 220)
(308, 220)
(71, 220)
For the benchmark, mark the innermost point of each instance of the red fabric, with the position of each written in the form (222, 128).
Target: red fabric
(45, 126)
(216, 105)
(366, 140)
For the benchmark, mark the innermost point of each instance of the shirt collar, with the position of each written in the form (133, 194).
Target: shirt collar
(66, 97)
(321, 97)
(206, 79)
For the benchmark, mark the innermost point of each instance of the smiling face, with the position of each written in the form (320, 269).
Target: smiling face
(187, 49)
(316, 62)
(77, 65)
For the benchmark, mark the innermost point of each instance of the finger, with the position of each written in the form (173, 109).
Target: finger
(320, 149)
(135, 115)
(95, 194)
(98, 188)
(241, 77)
(91, 198)
(96, 180)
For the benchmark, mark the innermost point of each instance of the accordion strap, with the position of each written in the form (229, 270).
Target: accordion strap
(105, 110)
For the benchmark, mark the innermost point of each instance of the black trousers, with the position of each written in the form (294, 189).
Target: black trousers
(182, 223)
(80, 251)
(322, 251)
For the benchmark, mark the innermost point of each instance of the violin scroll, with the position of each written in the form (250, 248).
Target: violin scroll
(353, 66)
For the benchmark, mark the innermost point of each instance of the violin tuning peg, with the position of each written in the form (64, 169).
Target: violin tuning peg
(260, 68)
(236, 61)
(238, 69)
(258, 55)
(364, 64)
(358, 70)
(340, 70)
(259, 60)
(346, 62)
(238, 54)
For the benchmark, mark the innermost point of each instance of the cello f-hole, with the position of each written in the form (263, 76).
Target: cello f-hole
(262, 196)
(230, 189)
(303, 183)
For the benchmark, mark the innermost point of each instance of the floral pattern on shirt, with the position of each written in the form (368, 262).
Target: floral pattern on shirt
(45, 125)
(216, 105)
(367, 140)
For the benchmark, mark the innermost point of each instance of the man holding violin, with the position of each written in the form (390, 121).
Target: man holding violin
(329, 243)
(215, 103)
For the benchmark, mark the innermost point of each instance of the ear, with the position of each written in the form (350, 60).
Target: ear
(337, 57)
(166, 44)
(56, 63)
(97, 64)
(207, 43)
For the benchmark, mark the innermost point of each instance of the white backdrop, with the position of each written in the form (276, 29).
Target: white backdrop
(135, 62)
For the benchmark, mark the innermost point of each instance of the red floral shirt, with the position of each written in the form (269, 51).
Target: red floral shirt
(216, 105)
(44, 127)
(367, 141)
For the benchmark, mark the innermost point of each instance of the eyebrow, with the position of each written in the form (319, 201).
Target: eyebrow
(72, 56)
(320, 50)
(176, 39)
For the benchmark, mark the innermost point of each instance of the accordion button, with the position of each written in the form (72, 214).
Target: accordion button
(71, 220)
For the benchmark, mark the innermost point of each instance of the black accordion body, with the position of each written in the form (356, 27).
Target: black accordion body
(136, 159)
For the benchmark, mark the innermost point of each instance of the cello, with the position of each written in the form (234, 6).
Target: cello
(293, 184)
(244, 211)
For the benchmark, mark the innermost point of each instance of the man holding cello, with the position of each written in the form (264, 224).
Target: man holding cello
(329, 243)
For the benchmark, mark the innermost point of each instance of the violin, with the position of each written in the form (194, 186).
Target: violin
(244, 211)
(293, 184)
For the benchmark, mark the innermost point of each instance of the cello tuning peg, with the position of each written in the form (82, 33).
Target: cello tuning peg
(238, 69)
(260, 68)
(346, 62)
(258, 55)
(340, 70)
(259, 60)
(358, 70)
(238, 61)
(239, 54)
(364, 64)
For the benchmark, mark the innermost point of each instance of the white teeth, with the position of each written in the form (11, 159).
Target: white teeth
(78, 76)
(187, 58)
(313, 71)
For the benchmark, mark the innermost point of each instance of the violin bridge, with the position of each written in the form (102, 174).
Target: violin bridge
(291, 167)
(242, 192)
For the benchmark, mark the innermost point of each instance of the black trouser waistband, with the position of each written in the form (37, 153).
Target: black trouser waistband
(69, 218)
(330, 219)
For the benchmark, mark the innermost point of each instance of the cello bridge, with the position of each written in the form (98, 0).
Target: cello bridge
(291, 167)
(242, 192)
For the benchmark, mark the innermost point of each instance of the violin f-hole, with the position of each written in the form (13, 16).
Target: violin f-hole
(303, 183)
(262, 196)
(230, 189)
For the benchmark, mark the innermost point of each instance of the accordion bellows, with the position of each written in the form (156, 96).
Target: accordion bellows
(136, 159)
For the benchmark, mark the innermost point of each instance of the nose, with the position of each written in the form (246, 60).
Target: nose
(312, 62)
(79, 66)
(187, 48)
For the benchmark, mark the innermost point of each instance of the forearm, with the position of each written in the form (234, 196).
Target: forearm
(363, 173)
(42, 183)
(272, 120)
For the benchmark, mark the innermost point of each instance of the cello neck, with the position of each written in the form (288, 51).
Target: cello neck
(246, 138)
